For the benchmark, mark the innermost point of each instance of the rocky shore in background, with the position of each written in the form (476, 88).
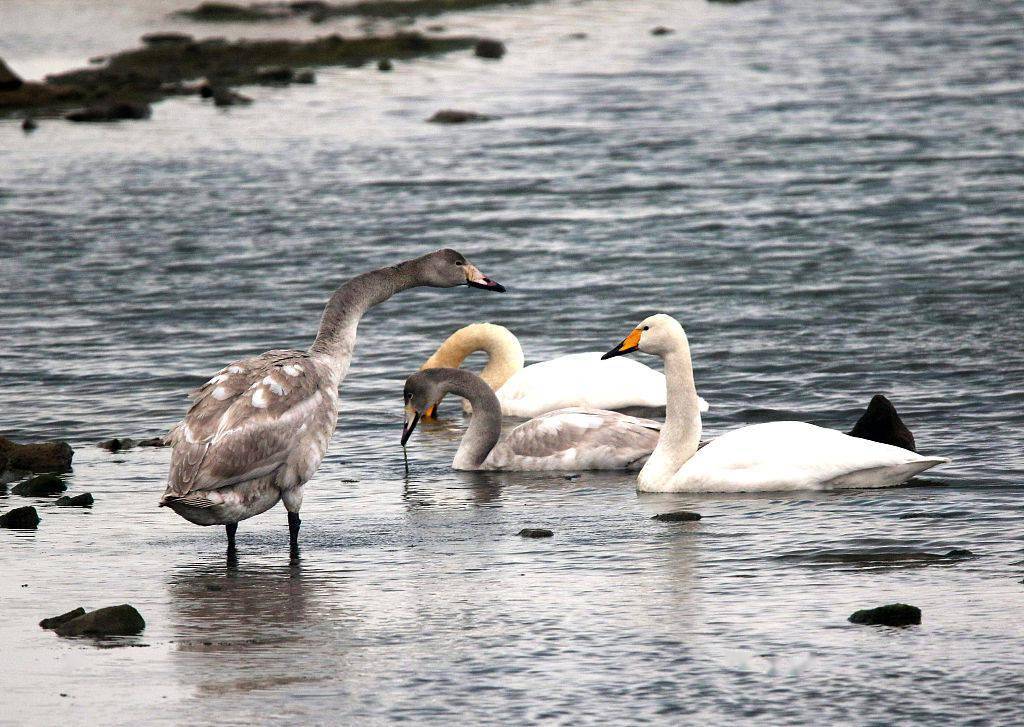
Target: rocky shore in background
(173, 64)
(317, 12)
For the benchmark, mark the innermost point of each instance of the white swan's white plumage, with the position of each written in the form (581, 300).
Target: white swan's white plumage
(761, 457)
(582, 380)
(792, 456)
(574, 380)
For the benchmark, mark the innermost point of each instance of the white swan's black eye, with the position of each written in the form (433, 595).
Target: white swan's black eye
(647, 328)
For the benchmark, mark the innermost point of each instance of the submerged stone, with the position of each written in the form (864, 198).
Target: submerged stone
(680, 516)
(454, 116)
(895, 614)
(489, 48)
(28, 125)
(159, 38)
(122, 620)
(117, 444)
(83, 500)
(42, 457)
(217, 12)
(536, 533)
(222, 97)
(159, 441)
(40, 486)
(661, 30)
(934, 515)
(384, 65)
(20, 518)
(55, 621)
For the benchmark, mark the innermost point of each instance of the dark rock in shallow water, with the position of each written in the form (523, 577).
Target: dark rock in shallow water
(9, 80)
(895, 614)
(28, 125)
(55, 621)
(166, 38)
(881, 423)
(42, 457)
(680, 516)
(661, 30)
(489, 48)
(307, 77)
(159, 441)
(83, 500)
(453, 116)
(535, 533)
(40, 486)
(111, 111)
(934, 515)
(20, 518)
(117, 444)
(384, 65)
(960, 553)
(121, 620)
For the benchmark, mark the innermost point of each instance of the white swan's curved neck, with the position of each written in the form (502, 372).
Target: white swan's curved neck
(680, 436)
(504, 354)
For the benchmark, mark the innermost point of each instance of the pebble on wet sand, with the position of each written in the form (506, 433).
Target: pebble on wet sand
(536, 533)
(20, 518)
(55, 621)
(894, 614)
(121, 620)
(680, 516)
(40, 486)
(489, 48)
(83, 500)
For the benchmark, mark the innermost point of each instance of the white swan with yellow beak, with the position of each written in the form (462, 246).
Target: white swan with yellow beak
(760, 457)
(574, 380)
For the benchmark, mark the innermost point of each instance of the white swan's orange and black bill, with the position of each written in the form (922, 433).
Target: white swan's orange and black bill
(628, 344)
(476, 279)
(410, 424)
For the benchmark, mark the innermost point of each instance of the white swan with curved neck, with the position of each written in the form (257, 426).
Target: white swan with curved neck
(566, 439)
(574, 380)
(760, 457)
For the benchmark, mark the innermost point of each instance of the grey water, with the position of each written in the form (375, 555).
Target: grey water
(826, 194)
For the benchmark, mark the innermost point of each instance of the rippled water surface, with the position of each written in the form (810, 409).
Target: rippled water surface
(826, 194)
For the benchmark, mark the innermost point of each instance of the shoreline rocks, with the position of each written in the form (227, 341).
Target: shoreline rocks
(83, 500)
(20, 518)
(894, 614)
(40, 486)
(52, 456)
(125, 85)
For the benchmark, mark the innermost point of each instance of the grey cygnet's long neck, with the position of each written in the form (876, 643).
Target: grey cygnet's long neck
(336, 338)
(485, 426)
